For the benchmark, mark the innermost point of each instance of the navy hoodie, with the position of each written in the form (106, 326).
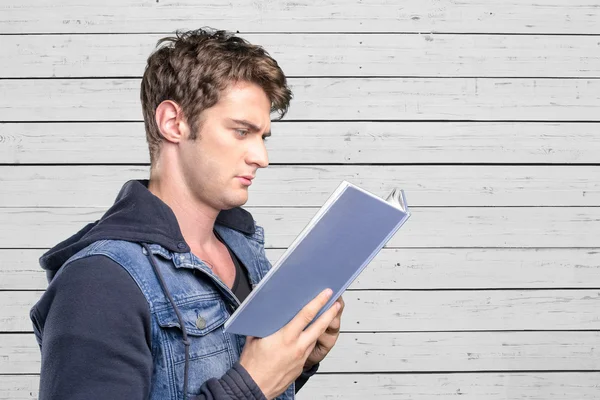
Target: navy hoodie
(93, 323)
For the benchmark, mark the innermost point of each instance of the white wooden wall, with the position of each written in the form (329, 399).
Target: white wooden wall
(486, 112)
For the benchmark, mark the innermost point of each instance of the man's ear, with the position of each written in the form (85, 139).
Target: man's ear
(170, 122)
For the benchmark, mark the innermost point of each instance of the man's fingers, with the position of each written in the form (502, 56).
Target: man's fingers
(312, 333)
(326, 341)
(309, 349)
(343, 305)
(308, 313)
(335, 325)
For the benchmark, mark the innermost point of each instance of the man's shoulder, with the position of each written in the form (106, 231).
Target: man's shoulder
(92, 270)
(102, 264)
(119, 252)
(87, 286)
(96, 266)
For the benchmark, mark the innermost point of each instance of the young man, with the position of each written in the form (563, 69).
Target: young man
(137, 300)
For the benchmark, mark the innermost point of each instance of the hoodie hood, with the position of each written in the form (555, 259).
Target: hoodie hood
(138, 216)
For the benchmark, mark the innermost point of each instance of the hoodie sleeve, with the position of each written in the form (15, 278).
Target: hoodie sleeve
(235, 384)
(93, 347)
(305, 376)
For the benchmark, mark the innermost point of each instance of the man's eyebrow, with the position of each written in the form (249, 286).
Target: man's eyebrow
(250, 126)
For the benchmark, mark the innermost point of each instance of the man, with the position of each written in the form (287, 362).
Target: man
(137, 300)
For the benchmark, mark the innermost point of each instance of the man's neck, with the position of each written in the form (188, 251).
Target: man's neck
(196, 220)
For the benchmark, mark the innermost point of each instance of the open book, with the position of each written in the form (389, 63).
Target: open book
(331, 251)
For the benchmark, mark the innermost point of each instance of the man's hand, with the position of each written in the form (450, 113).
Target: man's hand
(327, 340)
(274, 362)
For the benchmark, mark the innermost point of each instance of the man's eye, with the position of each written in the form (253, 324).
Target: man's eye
(241, 132)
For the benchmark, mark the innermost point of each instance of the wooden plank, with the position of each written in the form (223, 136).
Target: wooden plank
(407, 352)
(462, 227)
(388, 99)
(70, 16)
(492, 386)
(401, 311)
(21, 270)
(471, 310)
(463, 351)
(323, 142)
(303, 186)
(488, 386)
(14, 314)
(560, 227)
(321, 55)
(394, 269)
(19, 354)
(19, 387)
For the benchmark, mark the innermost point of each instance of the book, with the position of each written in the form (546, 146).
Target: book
(337, 244)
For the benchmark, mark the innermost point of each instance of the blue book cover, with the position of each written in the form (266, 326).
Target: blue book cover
(331, 251)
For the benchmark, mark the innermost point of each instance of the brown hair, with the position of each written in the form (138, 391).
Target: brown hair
(194, 67)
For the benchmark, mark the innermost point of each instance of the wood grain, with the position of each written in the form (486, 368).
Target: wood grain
(478, 386)
(469, 386)
(310, 186)
(492, 386)
(427, 55)
(407, 352)
(19, 387)
(391, 99)
(394, 269)
(323, 142)
(500, 227)
(385, 311)
(493, 16)
(490, 292)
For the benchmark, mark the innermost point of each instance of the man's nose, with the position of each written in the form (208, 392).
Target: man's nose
(257, 154)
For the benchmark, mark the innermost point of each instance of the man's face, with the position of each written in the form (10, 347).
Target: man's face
(230, 146)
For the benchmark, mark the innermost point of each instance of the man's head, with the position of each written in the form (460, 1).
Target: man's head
(194, 67)
(207, 98)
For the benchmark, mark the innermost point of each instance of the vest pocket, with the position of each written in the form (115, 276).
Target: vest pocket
(211, 351)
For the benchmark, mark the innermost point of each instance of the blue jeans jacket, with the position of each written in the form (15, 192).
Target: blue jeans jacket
(202, 301)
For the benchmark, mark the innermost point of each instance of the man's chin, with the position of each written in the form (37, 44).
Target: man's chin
(235, 202)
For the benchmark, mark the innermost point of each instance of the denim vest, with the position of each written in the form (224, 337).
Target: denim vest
(204, 303)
